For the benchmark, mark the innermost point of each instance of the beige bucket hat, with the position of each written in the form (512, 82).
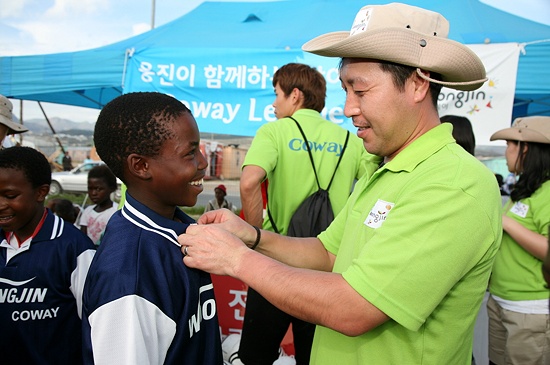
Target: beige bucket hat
(406, 35)
(528, 129)
(6, 117)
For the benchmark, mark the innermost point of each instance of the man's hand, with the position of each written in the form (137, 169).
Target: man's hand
(212, 249)
(217, 216)
(227, 220)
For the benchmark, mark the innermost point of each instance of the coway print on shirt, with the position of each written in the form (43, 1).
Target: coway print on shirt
(298, 144)
(205, 311)
(18, 295)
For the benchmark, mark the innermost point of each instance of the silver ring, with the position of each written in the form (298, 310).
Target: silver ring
(185, 251)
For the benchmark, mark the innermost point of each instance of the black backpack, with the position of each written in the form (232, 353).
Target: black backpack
(315, 213)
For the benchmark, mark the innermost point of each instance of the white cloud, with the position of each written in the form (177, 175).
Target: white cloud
(535, 10)
(13, 8)
(140, 28)
(63, 8)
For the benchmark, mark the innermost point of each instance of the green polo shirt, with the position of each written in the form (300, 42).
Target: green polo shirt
(517, 275)
(279, 149)
(417, 240)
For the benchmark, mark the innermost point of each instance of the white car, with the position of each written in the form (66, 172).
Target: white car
(76, 180)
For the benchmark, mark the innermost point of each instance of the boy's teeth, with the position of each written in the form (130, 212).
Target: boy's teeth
(6, 218)
(197, 182)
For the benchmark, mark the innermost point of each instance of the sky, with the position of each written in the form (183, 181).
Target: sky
(29, 27)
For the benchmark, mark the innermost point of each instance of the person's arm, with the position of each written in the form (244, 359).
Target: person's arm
(546, 263)
(312, 295)
(83, 221)
(230, 206)
(299, 252)
(251, 194)
(130, 330)
(534, 243)
(78, 276)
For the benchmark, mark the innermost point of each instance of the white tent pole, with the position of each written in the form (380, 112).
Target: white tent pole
(21, 120)
(153, 14)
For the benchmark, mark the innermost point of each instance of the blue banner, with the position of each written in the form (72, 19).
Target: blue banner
(229, 91)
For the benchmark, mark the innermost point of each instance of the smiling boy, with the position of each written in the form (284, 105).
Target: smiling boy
(141, 305)
(43, 265)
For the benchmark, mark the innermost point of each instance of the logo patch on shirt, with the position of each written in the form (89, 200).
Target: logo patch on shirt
(520, 209)
(378, 214)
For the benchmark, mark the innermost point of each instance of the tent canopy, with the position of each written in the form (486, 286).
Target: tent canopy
(91, 78)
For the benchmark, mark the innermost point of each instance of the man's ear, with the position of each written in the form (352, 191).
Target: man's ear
(421, 85)
(138, 166)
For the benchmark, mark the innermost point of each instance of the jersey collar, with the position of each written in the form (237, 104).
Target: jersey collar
(145, 218)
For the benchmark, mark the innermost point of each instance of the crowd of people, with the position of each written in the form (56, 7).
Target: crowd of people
(419, 236)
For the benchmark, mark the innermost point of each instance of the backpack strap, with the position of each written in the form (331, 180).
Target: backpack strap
(311, 156)
(339, 159)
(308, 151)
(273, 225)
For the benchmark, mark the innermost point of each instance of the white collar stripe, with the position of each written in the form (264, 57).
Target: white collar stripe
(57, 229)
(147, 220)
(151, 229)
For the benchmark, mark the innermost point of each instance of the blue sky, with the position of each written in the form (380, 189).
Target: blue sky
(49, 26)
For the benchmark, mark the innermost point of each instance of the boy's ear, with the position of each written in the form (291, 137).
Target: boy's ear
(138, 166)
(42, 192)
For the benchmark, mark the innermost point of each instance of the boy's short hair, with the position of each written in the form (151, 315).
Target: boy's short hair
(105, 173)
(306, 79)
(34, 164)
(135, 123)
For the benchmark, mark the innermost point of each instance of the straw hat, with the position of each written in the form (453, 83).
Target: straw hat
(406, 35)
(6, 117)
(528, 129)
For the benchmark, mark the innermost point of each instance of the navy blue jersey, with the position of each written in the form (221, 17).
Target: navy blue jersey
(141, 304)
(41, 295)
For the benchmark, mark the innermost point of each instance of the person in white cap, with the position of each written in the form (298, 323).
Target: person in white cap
(7, 125)
(519, 330)
(399, 276)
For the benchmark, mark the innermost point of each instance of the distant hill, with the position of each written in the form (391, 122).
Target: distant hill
(65, 126)
(60, 125)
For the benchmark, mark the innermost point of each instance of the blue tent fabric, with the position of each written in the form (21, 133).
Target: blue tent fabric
(91, 78)
(533, 81)
(87, 78)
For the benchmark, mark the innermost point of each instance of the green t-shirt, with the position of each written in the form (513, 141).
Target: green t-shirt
(517, 275)
(417, 240)
(279, 149)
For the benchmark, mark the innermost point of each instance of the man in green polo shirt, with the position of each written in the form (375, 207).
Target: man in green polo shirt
(279, 154)
(399, 276)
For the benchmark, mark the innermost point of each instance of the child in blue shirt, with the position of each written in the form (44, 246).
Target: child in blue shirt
(43, 265)
(141, 304)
